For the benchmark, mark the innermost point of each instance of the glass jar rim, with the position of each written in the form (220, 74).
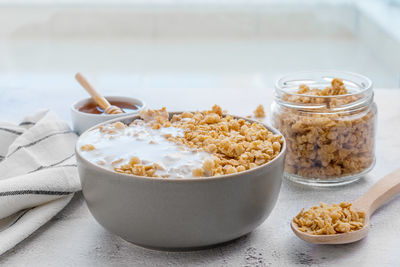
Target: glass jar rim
(324, 77)
(327, 75)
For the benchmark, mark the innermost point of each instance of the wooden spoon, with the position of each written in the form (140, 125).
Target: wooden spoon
(99, 99)
(385, 189)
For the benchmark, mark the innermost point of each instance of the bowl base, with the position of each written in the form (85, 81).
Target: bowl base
(194, 248)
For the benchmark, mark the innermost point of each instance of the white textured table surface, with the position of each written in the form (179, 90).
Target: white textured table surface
(74, 238)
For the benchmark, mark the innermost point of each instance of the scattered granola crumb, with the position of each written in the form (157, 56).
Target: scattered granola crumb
(197, 172)
(87, 147)
(115, 162)
(120, 125)
(259, 112)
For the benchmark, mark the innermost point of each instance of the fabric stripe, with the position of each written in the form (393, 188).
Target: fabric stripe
(10, 131)
(27, 123)
(62, 166)
(52, 165)
(34, 192)
(39, 140)
(19, 217)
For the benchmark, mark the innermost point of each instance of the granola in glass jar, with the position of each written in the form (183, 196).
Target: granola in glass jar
(330, 132)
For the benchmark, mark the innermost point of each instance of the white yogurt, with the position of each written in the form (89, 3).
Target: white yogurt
(149, 145)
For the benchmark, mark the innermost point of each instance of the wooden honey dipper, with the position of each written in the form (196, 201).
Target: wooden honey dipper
(97, 98)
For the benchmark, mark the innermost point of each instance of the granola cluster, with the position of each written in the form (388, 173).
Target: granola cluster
(330, 220)
(323, 143)
(234, 145)
(137, 167)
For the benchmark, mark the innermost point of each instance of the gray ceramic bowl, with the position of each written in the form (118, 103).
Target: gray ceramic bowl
(180, 213)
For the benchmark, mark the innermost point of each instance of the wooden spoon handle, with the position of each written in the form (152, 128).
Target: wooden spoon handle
(385, 189)
(99, 99)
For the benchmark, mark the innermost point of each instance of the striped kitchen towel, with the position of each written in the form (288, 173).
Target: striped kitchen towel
(38, 175)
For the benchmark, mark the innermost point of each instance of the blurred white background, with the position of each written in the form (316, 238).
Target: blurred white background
(138, 48)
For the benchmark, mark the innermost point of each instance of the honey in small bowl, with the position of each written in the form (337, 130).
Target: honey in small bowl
(92, 108)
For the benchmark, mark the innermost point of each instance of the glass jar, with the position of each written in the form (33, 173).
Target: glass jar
(330, 133)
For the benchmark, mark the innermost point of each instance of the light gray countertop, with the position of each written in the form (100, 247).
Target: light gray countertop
(74, 238)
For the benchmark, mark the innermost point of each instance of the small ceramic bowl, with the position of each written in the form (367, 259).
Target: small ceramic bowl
(81, 121)
(176, 214)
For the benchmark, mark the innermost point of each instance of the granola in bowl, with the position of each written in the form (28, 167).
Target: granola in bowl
(185, 145)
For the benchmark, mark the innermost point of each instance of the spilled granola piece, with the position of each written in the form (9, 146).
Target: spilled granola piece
(259, 112)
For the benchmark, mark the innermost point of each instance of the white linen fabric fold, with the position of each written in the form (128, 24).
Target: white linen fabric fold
(38, 174)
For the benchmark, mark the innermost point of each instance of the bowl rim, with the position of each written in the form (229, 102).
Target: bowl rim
(184, 180)
(75, 109)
